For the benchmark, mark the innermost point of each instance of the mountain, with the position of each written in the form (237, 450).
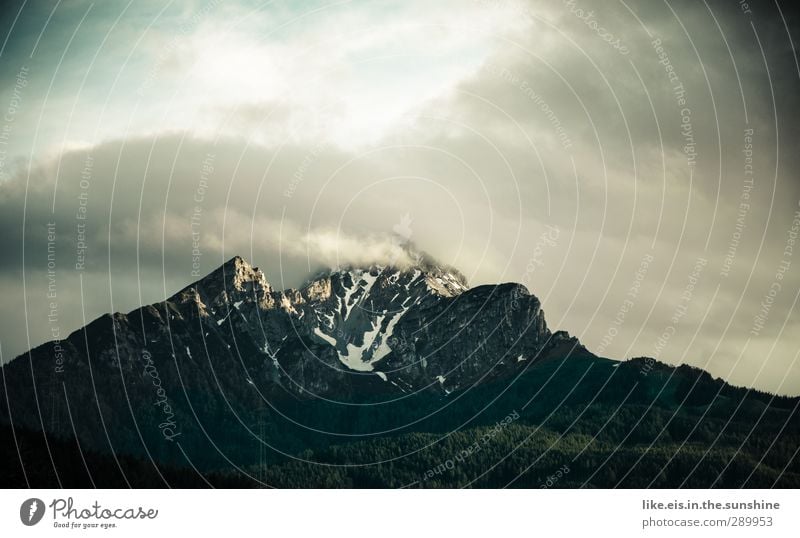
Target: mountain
(231, 375)
(379, 329)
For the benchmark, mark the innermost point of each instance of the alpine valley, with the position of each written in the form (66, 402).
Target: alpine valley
(378, 376)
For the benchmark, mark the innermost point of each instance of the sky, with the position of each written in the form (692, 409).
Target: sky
(633, 163)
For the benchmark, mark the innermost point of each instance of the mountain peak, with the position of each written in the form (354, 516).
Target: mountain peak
(238, 273)
(234, 278)
(442, 279)
(428, 264)
(236, 261)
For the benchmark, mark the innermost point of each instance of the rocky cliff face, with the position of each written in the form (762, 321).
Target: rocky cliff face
(411, 328)
(230, 344)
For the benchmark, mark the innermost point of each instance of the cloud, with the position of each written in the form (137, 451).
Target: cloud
(301, 138)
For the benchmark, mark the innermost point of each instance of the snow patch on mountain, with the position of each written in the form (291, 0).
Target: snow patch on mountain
(331, 340)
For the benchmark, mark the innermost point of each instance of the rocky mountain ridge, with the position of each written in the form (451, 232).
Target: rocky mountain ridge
(410, 327)
(232, 375)
(225, 350)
